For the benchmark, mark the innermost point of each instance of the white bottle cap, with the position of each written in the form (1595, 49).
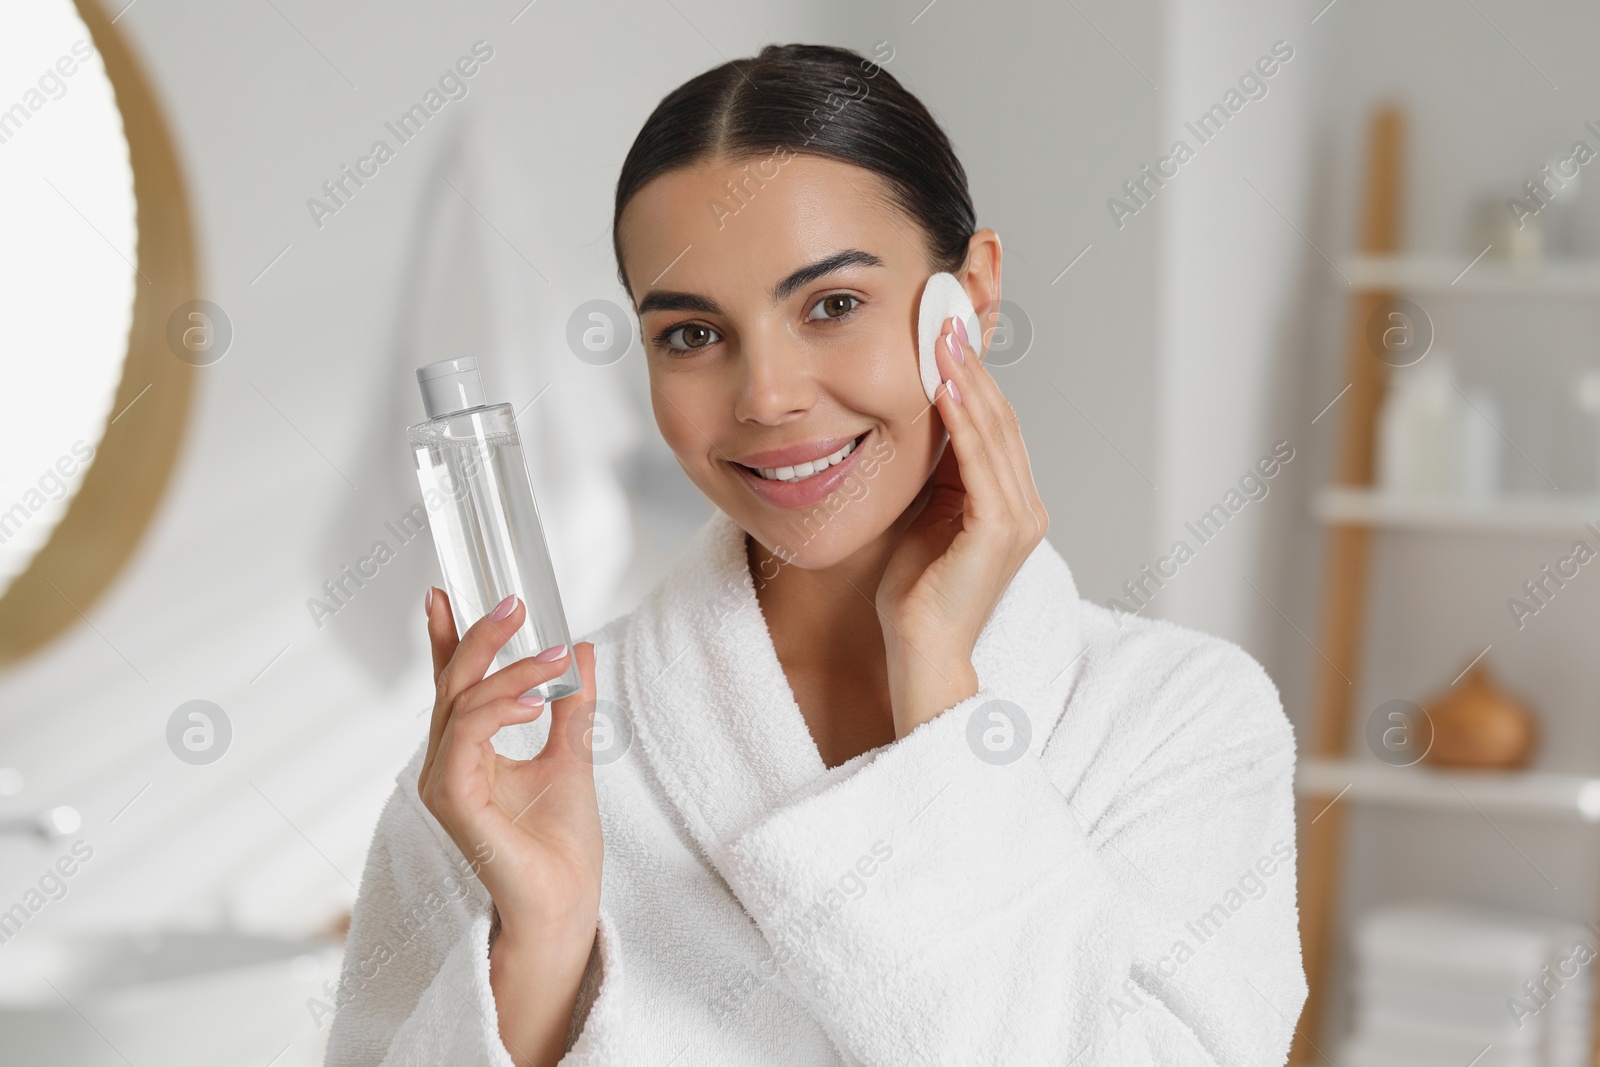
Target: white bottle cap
(450, 385)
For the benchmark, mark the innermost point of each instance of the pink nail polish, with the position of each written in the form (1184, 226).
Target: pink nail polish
(955, 350)
(551, 654)
(531, 700)
(427, 602)
(955, 394)
(961, 328)
(505, 607)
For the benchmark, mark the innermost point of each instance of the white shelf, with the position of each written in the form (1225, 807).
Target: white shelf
(1540, 793)
(1563, 513)
(1443, 274)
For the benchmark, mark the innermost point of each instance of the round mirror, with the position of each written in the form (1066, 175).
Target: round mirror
(97, 257)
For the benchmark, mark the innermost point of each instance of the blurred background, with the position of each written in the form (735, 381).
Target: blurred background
(1371, 269)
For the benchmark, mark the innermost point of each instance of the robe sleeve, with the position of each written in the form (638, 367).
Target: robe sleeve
(414, 985)
(935, 906)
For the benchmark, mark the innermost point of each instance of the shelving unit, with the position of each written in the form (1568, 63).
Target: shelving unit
(1432, 275)
(1329, 781)
(1532, 793)
(1528, 513)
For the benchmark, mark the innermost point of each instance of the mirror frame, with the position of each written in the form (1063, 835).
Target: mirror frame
(134, 460)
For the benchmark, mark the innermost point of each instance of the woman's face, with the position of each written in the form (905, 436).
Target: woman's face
(780, 331)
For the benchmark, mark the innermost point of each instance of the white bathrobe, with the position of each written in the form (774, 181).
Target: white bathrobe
(1121, 892)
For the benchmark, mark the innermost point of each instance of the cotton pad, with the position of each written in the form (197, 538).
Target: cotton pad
(942, 298)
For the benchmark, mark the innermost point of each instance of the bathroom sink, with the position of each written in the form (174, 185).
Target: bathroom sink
(163, 999)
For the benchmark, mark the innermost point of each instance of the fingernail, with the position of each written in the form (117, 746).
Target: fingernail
(531, 700)
(961, 328)
(955, 349)
(427, 602)
(505, 607)
(955, 393)
(551, 654)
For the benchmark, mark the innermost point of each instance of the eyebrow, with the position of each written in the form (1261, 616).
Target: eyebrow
(667, 300)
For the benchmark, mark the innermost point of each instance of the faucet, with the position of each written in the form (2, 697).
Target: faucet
(48, 825)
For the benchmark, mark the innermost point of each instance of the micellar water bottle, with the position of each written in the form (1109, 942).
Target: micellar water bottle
(485, 525)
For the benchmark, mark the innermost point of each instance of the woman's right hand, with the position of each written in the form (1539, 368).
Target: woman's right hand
(534, 825)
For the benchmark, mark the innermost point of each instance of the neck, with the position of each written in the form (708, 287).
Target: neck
(836, 600)
(825, 629)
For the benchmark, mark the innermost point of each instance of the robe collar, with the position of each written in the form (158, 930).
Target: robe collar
(713, 714)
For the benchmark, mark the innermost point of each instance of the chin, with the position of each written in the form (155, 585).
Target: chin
(821, 537)
(817, 539)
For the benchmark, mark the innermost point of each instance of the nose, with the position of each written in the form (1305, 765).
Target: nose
(778, 385)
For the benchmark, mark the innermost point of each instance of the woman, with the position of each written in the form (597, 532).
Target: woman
(878, 786)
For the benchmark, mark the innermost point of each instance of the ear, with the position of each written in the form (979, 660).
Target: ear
(980, 277)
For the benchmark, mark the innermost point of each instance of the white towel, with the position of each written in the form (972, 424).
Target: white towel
(1124, 892)
(1438, 982)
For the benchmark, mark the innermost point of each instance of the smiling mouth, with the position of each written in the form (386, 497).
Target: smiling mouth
(801, 471)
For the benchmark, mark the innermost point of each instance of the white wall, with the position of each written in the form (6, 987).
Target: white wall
(1232, 265)
(1047, 116)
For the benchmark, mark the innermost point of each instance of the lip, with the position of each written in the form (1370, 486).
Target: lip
(807, 491)
(796, 454)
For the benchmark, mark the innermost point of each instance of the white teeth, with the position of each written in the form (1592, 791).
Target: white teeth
(806, 470)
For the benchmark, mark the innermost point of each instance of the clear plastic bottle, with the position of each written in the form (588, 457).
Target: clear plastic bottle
(485, 524)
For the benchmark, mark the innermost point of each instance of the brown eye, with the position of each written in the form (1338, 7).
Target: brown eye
(834, 306)
(688, 337)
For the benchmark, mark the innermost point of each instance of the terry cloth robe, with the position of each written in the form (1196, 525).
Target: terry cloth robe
(1090, 861)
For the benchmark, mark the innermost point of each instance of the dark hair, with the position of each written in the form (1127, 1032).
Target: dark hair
(816, 100)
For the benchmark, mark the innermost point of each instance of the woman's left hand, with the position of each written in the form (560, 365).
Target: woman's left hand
(982, 519)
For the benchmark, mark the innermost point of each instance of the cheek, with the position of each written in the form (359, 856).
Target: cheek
(682, 424)
(882, 381)
(916, 451)
(876, 376)
(873, 375)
